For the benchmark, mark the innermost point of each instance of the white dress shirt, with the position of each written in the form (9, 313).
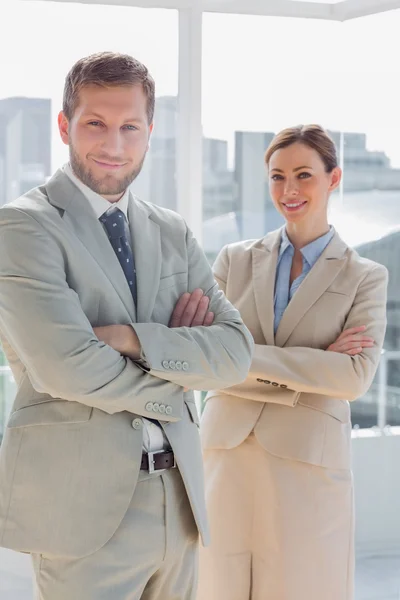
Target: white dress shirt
(154, 438)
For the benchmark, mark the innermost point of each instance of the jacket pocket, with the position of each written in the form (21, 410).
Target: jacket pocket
(338, 409)
(171, 280)
(50, 412)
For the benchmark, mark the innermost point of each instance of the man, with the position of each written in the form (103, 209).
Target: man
(109, 315)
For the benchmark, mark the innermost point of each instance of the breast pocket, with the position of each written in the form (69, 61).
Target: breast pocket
(330, 313)
(170, 289)
(174, 280)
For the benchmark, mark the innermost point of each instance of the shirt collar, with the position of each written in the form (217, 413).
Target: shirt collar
(99, 204)
(313, 250)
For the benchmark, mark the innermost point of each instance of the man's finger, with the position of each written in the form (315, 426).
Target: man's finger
(179, 309)
(209, 319)
(201, 312)
(191, 308)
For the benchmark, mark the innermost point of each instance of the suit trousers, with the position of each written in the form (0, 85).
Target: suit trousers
(280, 529)
(152, 555)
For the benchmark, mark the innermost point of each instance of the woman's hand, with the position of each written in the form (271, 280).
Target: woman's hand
(121, 338)
(352, 342)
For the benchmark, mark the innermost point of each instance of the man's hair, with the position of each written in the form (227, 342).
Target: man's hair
(107, 69)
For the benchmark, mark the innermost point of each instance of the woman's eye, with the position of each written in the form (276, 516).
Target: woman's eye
(304, 175)
(276, 177)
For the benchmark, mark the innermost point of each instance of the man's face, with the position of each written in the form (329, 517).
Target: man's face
(108, 137)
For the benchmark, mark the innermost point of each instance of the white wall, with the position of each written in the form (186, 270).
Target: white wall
(376, 466)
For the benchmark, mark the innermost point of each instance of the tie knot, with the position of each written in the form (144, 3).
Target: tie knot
(114, 222)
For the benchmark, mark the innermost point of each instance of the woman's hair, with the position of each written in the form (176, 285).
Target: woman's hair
(313, 136)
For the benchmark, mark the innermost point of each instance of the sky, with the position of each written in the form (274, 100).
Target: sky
(259, 73)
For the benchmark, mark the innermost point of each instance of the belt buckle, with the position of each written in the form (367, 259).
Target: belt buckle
(151, 460)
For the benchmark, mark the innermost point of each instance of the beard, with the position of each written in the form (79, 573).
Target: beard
(109, 185)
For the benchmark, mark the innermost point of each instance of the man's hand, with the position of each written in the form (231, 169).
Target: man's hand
(352, 342)
(191, 310)
(122, 338)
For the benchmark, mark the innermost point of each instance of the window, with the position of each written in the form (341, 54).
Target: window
(33, 78)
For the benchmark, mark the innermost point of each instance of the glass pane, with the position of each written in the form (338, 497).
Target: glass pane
(269, 77)
(7, 393)
(370, 211)
(32, 84)
(250, 91)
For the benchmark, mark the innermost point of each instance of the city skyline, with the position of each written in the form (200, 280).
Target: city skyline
(236, 201)
(283, 72)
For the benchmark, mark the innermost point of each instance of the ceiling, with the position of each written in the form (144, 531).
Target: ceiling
(335, 10)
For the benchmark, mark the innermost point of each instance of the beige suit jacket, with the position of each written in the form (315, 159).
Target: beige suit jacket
(297, 395)
(71, 454)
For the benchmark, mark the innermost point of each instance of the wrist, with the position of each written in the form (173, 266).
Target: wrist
(131, 344)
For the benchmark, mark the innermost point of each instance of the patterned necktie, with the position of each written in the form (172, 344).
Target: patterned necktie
(117, 229)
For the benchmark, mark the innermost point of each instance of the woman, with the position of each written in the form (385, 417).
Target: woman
(277, 447)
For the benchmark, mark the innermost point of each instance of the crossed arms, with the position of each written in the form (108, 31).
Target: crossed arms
(42, 320)
(344, 370)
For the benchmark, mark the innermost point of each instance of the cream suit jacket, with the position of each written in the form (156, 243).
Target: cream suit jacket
(71, 454)
(296, 397)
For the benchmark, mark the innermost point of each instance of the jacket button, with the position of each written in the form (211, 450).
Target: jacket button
(137, 423)
(185, 366)
(165, 364)
(156, 407)
(284, 386)
(172, 365)
(275, 384)
(149, 406)
(178, 365)
(168, 410)
(162, 408)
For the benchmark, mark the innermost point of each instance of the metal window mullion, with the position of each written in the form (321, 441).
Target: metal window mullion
(189, 127)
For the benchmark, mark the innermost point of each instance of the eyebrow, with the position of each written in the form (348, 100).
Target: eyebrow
(294, 170)
(101, 118)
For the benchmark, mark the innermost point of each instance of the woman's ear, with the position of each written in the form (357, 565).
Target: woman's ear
(336, 178)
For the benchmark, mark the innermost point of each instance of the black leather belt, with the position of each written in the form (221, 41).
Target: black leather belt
(157, 461)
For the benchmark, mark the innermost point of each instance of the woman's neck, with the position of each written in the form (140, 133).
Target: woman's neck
(301, 234)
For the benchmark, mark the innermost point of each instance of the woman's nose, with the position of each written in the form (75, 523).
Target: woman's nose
(291, 188)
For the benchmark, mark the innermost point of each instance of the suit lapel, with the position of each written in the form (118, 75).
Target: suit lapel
(264, 261)
(321, 276)
(81, 220)
(146, 241)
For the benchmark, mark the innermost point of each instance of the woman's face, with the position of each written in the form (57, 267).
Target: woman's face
(299, 185)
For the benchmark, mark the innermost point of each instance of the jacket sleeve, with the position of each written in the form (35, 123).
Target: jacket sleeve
(279, 375)
(202, 358)
(42, 320)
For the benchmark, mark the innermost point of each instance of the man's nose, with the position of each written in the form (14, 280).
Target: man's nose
(113, 142)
